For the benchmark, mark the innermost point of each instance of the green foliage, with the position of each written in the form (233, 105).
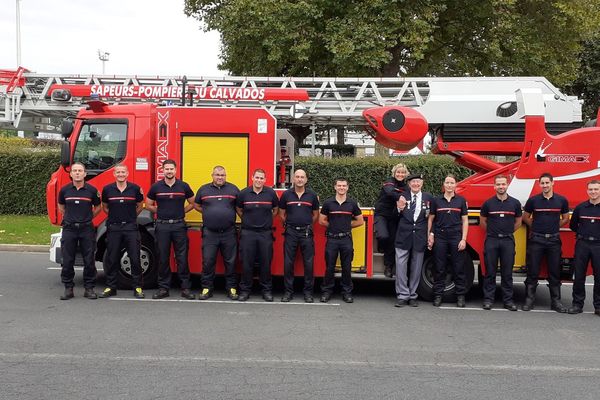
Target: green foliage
(390, 37)
(25, 168)
(365, 175)
(587, 84)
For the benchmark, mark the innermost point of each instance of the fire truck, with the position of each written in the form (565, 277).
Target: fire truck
(519, 127)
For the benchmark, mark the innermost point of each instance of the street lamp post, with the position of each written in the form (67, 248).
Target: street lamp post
(18, 33)
(103, 56)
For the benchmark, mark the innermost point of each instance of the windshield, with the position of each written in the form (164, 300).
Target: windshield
(101, 144)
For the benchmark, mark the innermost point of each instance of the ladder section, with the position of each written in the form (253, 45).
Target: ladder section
(331, 101)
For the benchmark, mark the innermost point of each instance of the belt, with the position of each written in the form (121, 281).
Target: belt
(447, 231)
(256, 229)
(588, 238)
(546, 235)
(338, 235)
(169, 221)
(500, 235)
(299, 228)
(77, 224)
(122, 223)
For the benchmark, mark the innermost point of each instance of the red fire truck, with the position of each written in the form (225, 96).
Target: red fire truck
(235, 122)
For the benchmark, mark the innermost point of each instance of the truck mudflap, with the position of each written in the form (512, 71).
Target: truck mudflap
(55, 253)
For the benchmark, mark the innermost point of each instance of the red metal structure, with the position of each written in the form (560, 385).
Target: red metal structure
(232, 121)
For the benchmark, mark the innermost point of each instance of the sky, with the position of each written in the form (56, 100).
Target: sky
(143, 37)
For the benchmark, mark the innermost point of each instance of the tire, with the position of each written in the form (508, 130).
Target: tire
(425, 289)
(148, 261)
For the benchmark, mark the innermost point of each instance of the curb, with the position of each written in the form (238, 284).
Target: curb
(31, 248)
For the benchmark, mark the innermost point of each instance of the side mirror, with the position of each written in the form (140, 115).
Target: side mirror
(66, 128)
(65, 154)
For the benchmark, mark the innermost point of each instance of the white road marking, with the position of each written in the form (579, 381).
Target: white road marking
(234, 302)
(20, 357)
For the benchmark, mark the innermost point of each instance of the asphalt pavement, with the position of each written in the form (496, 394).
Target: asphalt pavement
(122, 348)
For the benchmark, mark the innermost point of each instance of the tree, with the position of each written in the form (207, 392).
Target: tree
(400, 37)
(406, 37)
(587, 84)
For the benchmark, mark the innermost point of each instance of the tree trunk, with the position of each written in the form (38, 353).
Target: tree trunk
(381, 150)
(340, 134)
(299, 133)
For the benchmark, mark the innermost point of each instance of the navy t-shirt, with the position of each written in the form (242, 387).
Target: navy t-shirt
(448, 214)
(257, 207)
(170, 199)
(585, 220)
(340, 216)
(501, 215)
(122, 204)
(78, 203)
(218, 205)
(546, 213)
(299, 210)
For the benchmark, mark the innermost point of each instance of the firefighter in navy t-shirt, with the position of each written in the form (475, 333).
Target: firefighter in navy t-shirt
(545, 214)
(299, 210)
(122, 201)
(256, 205)
(448, 225)
(216, 202)
(167, 199)
(339, 214)
(500, 218)
(79, 202)
(585, 222)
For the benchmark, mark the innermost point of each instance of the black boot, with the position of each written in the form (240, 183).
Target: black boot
(387, 272)
(530, 299)
(68, 294)
(555, 304)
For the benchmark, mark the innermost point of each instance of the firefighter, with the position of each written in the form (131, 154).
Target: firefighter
(500, 217)
(411, 240)
(167, 199)
(386, 216)
(256, 205)
(122, 201)
(216, 202)
(299, 210)
(79, 203)
(585, 222)
(448, 225)
(545, 213)
(339, 215)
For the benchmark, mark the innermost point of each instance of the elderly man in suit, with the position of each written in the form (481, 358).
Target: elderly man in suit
(411, 240)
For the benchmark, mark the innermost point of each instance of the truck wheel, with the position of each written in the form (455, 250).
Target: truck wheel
(425, 289)
(148, 261)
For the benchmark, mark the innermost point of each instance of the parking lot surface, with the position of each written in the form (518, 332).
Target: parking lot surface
(122, 348)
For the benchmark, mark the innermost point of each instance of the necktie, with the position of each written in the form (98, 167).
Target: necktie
(413, 203)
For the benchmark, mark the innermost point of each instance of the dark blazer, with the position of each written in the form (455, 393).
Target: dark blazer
(410, 233)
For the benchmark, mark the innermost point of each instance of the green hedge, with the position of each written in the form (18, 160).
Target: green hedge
(366, 175)
(25, 168)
